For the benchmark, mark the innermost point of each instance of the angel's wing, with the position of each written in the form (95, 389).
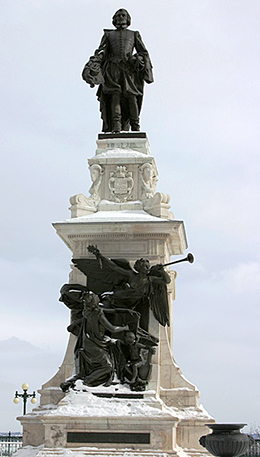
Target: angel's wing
(113, 273)
(159, 304)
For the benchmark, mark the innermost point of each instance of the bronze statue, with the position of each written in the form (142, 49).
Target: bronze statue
(131, 359)
(121, 286)
(92, 352)
(120, 75)
(103, 347)
(110, 318)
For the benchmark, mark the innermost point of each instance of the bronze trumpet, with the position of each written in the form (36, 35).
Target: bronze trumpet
(189, 258)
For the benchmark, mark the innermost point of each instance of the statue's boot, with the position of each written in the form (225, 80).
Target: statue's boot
(135, 127)
(134, 113)
(116, 127)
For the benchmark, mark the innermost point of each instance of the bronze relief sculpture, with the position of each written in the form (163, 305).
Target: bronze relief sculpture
(110, 318)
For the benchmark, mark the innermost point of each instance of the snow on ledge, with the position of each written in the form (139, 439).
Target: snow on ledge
(82, 403)
(79, 403)
(191, 413)
(116, 216)
(120, 152)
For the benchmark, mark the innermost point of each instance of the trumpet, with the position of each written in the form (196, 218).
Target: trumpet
(189, 258)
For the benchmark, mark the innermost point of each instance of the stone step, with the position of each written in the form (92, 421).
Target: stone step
(197, 453)
(94, 452)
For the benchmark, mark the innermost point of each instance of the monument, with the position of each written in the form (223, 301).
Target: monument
(119, 390)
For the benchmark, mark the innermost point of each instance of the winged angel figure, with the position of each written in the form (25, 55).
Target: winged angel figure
(121, 286)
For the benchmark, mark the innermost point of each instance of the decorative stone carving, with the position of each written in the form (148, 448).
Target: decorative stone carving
(96, 172)
(148, 180)
(158, 205)
(57, 436)
(121, 184)
(81, 205)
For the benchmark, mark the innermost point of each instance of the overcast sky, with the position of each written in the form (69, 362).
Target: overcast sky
(201, 116)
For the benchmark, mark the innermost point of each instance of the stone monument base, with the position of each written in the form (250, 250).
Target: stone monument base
(106, 421)
(126, 218)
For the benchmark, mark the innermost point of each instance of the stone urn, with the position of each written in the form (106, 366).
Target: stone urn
(226, 440)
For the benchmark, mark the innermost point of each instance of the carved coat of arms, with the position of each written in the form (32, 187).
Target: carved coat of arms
(121, 184)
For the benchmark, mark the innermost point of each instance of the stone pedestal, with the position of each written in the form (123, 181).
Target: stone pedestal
(125, 217)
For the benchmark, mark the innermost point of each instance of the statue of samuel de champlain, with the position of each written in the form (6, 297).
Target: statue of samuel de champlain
(120, 75)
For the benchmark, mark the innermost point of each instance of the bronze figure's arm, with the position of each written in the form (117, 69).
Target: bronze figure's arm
(158, 275)
(108, 263)
(112, 328)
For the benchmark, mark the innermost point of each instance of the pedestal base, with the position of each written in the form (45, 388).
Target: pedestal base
(125, 218)
(132, 423)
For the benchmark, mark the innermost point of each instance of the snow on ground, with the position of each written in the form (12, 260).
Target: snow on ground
(28, 451)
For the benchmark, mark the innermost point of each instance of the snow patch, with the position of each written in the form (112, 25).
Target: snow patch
(80, 403)
(28, 451)
(190, 413)
(117, 216)
(83, 402)
(121, 152)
